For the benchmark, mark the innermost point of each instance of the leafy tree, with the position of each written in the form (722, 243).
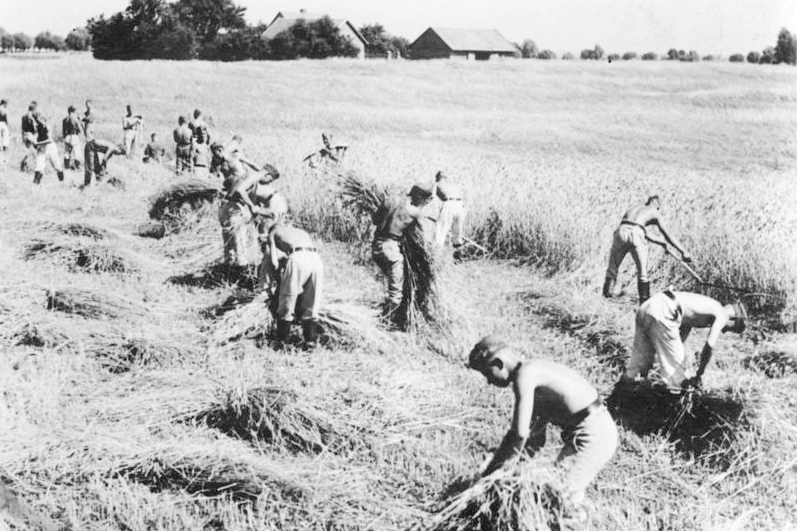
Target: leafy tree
(400, 44)
(650, 56)
(6, 41)
(627, 56)
(753, 57)
(786, 47)
(736, 58)
(381, 43)
(237, 45)
(78, 39)
(47, 41)
(206, 17)
(546, 55)
(709, 57)
(673, 55)
(691, 57)
(22, 41)
(567, 56)
(767, 56)
(598, 52)
(613, 57)
(318, 39)
(528, 49)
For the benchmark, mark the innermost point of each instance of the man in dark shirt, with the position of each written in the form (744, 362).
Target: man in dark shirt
(46, 150)
(72, 128)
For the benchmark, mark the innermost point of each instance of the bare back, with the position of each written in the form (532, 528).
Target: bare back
(558, 391)
(643, 215)
(699, 311)
(394, 216)
(446, 191)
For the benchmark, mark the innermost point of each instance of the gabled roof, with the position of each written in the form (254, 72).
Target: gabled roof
(285, 19)
(479, 40)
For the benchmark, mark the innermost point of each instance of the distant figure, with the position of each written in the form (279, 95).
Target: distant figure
(392, 219)
(548, 392)
(183, 140)
(664, 322)
(452, 213)
(328, 153)
(29, 136)
(154, 151)
(5, 133)
(131, 125)
(46, 150)
(199, 128)
(290, 256)
(632, 235)
(200, 140)
(88, 115)
(97, 153)
(72, 129)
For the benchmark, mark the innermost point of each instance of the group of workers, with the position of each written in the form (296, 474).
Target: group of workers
(285, 260)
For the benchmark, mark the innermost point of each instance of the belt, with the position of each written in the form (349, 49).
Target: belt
(577, 417)
(309, 249)
(678, 309)
(387, 237)
(453, 199)
(633, 223)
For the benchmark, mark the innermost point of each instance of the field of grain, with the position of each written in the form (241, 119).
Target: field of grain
(125, 406)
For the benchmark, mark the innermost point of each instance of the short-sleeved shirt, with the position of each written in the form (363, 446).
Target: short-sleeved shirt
(28, 124)
(42, 129)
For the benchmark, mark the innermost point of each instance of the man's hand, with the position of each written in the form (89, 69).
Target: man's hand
(691, 384)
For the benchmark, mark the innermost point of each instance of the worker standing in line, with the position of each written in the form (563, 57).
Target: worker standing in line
(452, 213)
(5, 133)
(72, 129)
(183, 140)
(130, 128)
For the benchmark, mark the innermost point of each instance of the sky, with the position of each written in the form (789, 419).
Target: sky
(707, 26)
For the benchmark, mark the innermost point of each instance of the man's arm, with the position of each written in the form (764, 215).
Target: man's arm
(249, 163)
(515, 439)
(720, 321)
(241, 190)
(672, 239)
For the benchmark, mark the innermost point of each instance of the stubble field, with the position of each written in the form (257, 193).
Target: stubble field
(130, 414)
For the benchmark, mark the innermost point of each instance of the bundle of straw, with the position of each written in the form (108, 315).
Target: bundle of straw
(92, 303)
(524, 501)
(346, 325)
(167, 204)
(773, 363)
(277, 416)
(79, 255)
(155, 230)
(79, 229)
(422, 265)
(244, 317)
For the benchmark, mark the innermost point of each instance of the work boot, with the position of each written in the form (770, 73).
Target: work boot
(37, 177)
(644, 291)
(608, 288)
(283, 330)
(310, 333)
(67, 165)
(458, 253)
(76, 164)
(60, 176)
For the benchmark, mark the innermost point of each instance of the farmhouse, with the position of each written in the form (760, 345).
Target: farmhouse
(448, 43)
(286, 19)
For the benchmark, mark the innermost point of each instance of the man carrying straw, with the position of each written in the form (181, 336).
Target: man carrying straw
(548, 392)
(664, 322)
(290, 257)
(392, 219)
(96, 155)
(632, 235)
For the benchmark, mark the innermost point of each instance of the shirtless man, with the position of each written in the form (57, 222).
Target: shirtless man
(291, 258)
(632, 235)
(72, 128)
(183, 138)
(663, 323)
(548, 392)
(200, 139)
(154, 151)
(96, 155)
(88, 115)
(392, 219)
(5, 133)
(452, 213)
(130, 127)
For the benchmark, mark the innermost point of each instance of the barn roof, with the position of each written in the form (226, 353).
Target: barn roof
(285, 19)
(478, 40)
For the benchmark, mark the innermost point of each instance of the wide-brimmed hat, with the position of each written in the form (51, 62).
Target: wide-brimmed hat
(420, 190)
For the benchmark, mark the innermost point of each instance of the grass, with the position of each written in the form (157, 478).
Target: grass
(126, 405)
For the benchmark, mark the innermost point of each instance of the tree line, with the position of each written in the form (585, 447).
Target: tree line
(78, 39)
(784, 51)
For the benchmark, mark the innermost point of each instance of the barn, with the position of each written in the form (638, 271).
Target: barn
(448, 43)
(285, 20)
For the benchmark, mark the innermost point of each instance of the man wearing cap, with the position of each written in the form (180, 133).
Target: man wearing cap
(452, 212)
(663, 323)
(290, 257)
(72, 128)
(632, 235)
(183, 139)
(548, 392)
(392, 219)
(5, 133)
